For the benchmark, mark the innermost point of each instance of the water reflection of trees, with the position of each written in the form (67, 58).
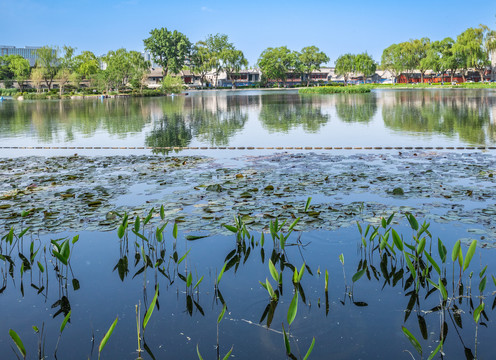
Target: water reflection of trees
(212, 119)
(463, 114)
(60, 120)
(359, 108)
(284, 112)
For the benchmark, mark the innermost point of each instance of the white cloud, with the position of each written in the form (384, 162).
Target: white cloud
(206, 9)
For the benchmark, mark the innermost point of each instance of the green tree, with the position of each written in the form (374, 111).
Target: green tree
(451, 60)
(365, 65)
(345, 65)
(275, 63)
(234, 60)
(172, 84)
(391, 60)
(37, 78)
(63, 75)
(419, 49)
(218, 46)
(475, 46)
(47, 60)
(75, 79)
(311, 59)
(168, 48)
(86, 64)
(20, 69)
(139, 70)
(201, 60)
(5, 71)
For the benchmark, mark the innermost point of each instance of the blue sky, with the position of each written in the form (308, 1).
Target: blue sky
(336, 27)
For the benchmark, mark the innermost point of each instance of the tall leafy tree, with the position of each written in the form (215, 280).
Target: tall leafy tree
(234, 60)
(392, 60)
(20, 68)
(139, 69)
(218, 46)
(365, 65)
(475, 46)
(451, 59)
(5, 71)
(419, 49)
(276, 63)
(168, 48)
(201, 60)
(345, 65)
(47, 60)
(311, 59)
(37, 78)
(86, 64)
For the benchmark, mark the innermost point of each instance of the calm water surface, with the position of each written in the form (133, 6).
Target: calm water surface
(108, 277)
(258, 118)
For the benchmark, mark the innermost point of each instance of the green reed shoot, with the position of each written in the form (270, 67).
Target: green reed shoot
(107, 337)
(18, 342)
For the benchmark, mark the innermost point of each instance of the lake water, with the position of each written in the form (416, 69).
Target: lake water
(255, 118)
(371, 295)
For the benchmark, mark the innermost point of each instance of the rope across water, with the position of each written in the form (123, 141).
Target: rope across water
(249, 147)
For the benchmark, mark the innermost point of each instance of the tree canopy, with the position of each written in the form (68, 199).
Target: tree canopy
(169, 49)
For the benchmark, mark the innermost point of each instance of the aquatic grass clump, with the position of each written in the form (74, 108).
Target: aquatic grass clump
(352, 89)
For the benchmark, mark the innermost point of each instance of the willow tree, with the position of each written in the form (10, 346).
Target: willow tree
(47, 60)
(234, 61)
(392, 60)
(345, 65)
(365, 65)
(475, 46)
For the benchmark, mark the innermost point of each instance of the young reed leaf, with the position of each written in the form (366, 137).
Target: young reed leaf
(150, 309)
(302, 270)
(183, 257)
(413, 340)
(162, 212)
(137, 223)
(198, 353)
(221, 315)
(17, 340)
(273, 271)
(286, 341)
(309, 349)
(456, 251)
(326, 282)
(358, 275)
(198, 283)
(228, 354)
(470, 254)
(482, 284)
(148, 217)
(397, 240)
(174, 231)
(477, 312)
(436, 350)
(413, 222)
(433, 262)
(293, 308)
(221, 273)
(307, 205)
(107, 337)
(64, 322)
(189, 280)
(341, 258)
